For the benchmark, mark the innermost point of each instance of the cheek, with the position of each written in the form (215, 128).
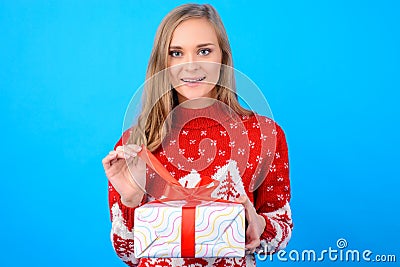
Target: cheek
(173, 75)
(170, 62)
(214, 71)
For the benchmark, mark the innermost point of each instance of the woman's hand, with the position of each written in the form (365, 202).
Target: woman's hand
(255, 225)
(119, 165)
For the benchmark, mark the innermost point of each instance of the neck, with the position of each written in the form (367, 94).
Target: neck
(215, 113)
(197, 103)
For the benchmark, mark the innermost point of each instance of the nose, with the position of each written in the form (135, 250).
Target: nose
(191, 64)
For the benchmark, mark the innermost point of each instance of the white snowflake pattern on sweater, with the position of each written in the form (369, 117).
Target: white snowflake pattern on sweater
(271, 201)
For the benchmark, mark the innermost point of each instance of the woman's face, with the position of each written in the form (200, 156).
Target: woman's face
(194, 59)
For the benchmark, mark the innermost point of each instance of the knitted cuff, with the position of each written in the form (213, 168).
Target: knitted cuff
(269, 230)
(128, 213)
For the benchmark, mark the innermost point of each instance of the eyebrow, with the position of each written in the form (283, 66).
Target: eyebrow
(197, 46)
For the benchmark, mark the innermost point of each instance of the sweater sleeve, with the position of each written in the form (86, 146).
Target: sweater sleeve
(272, 200)
(122, 218)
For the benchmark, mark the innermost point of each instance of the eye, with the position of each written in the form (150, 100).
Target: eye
(175, 53)
(204, 52)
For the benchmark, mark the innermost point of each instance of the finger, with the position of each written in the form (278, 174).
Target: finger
(248, 252)
(241, 199)
(114, 157)
(106, 160)
(249, 207)
(112, 162)
(118, 156)
(250, 211)
(134, 147)
(129, 149)
(253, 244)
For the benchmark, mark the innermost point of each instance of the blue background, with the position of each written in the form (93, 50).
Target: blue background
(329, 69)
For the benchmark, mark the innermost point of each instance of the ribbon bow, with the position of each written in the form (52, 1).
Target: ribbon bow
(174, 190)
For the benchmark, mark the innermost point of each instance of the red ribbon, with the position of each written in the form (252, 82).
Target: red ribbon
(188, 231)
(174, 190)
(193, 196)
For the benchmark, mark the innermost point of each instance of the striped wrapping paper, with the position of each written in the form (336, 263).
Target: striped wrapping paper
(219, 230)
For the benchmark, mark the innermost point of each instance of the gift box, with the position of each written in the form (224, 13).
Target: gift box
(175, 229)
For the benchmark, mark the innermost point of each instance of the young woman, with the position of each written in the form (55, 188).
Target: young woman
(193, 123)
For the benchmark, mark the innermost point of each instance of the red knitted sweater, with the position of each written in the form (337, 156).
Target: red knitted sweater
(213, 142)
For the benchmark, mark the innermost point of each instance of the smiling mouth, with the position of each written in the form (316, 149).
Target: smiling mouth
(193, 80)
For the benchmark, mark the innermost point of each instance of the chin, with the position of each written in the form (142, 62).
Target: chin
(195, 93)
(196, 96)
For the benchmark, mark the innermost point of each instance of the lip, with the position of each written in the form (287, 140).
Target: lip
(190, 80)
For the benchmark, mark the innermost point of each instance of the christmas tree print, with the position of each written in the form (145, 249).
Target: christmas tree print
(231, 185)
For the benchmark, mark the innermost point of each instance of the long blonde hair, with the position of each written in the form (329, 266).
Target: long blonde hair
(158, 99)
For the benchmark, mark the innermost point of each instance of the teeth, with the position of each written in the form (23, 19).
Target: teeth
(193, 80)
